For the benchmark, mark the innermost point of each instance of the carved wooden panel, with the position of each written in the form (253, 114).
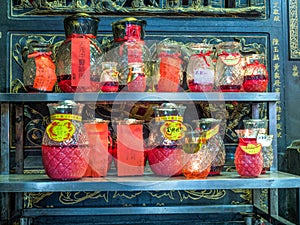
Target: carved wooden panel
(224, 8)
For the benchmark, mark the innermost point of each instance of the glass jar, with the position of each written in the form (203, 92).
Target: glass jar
(197, 156)
(79, 56)
(136, 79)
(38, 68)
(210, 128)
(200, 69)
(168, 72)
(229, 70)
(166, 139)
(261, 125)
(248, 158)
(256, 75)
(133, 55)
(109, 81)
(65, 150)
(100, 143)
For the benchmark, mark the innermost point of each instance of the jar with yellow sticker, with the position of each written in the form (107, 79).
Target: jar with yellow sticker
(166, 139)
(212, 138)
(65, 148)
(248, 158)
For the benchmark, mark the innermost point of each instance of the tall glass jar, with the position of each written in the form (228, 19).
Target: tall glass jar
(166, 139)
(133, 54)
(256, 75)
(65, 150)
(210, 128)
(38, 68)
(168, 72)
(229, 69)
(200, 69)
(78, 57)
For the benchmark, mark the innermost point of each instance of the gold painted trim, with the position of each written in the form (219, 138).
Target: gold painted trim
(294, 29)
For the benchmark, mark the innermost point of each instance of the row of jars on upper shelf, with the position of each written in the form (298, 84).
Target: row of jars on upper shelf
(79, 64)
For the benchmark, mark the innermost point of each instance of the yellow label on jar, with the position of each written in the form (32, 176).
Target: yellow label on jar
(251, 148)
(173, 130)
(167, 118)
(65, 116)
(209, 134)
(60, 130)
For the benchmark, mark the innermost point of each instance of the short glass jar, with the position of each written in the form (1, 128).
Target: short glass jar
(38, 68)
(256, 75)
(65, 150)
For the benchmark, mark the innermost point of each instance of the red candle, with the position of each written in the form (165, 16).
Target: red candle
(99, 158)
(130, 149)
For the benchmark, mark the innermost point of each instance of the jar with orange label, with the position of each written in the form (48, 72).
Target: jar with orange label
(65, 149)
(38, 68)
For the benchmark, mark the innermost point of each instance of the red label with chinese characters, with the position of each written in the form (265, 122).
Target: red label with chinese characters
(80, 58)
(45, 76)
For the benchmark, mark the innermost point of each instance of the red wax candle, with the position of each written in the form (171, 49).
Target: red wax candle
(99, 158)
(130, 149)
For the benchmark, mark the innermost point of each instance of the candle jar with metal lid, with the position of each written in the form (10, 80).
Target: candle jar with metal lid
(229, 69)
(200, 70)
(65, 150)
(133, 55)
(78, 57)
(38, 68)
(166, 139)
(256, 75)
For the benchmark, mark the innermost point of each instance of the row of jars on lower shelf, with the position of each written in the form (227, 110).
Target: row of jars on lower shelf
(73, 148)
(81, 65)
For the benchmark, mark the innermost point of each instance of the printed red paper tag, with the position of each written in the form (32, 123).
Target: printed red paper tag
(45, 76)
(80, 57)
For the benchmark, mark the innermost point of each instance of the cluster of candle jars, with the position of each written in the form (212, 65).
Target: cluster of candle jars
(83, 65)
(175, 148)
(254, 155)
(263, 138)
(223, 68)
